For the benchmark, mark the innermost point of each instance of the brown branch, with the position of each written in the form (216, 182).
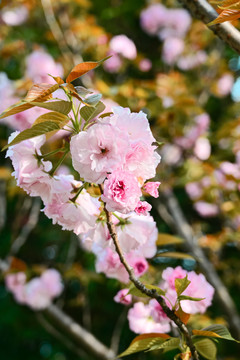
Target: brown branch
(181, 226)
(202, 10)
(151, 293)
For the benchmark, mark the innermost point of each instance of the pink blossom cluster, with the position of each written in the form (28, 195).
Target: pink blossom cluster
(171, 26)
(147, 318)
(119, 150)
(37, 293)
(120, 47)
(14, 16)
(31, 173)
(137, 238)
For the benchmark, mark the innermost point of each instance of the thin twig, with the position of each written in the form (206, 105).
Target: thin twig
(151, 293)
(203, 11)
(118, 330)
(27, 228)
(182, 227)
(3, 204)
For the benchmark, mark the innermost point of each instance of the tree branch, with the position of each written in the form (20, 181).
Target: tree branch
(182, 227)
(202, 10)
(65, 324)
(151, 293)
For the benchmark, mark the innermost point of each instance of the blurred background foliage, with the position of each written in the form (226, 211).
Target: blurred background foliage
(193, 109)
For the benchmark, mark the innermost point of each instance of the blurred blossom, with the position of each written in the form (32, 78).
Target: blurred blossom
(122, 297)
(191, 61)
(172, 48)
(202, 148)
(152, 18)
(124, 46)
(230, 169)
(194, 190)
(14, 16)
(102, 40)
(236, 90)
(177, 24)
(167, 102)
(145, 65)
(39, 64)
(171, 154)
(113, 64)
(206, 209)
(225, 84)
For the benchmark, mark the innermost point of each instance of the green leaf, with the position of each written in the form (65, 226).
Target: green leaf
(136, 292)
(215, 331)
(36, 130)
(93, 99)
(184, 297)
(89, 113)
(174, 255)
(144, 342)
(168, 345)
(181, 285)
(166, 239)
(206, 348)
(62, 106)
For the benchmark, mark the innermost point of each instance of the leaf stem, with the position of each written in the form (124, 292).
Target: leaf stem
(51, 172)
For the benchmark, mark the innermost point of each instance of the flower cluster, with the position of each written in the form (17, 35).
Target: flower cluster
(117, 152)
(147, 318)
(37, 293)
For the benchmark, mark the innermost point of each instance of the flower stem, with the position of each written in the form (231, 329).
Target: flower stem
(51, 172)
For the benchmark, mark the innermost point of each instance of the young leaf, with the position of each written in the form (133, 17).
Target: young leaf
(61, 106)
(36, 130)
(181, 285)
(166, 239)
(81, 90)
(89, 113)
(184, 317)
(16, 108)
(184, 297)
(105, 115)
(217, 331)
(93, 99)
(206, 348)
(58, 80)
(41, 92)
(83, 68)
(60, 119)
(144, 342)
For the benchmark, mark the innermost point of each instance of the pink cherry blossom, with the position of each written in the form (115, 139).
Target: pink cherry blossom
(206, 209)
(172, 48)
(97, 151)
(124, 46)
(152, 18)
(198, 288)
(14, 16)
(141, 320)
(142, 160)
(122, 297)
(114, 63)
(15, 284)
(52, 280)
(145, 65)
(151, 187)
(225, 84)
(202, 148)
(121, 192)
(39, 64)
(143, 207)
(177, 24)
(194, 190)
(191, 61)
